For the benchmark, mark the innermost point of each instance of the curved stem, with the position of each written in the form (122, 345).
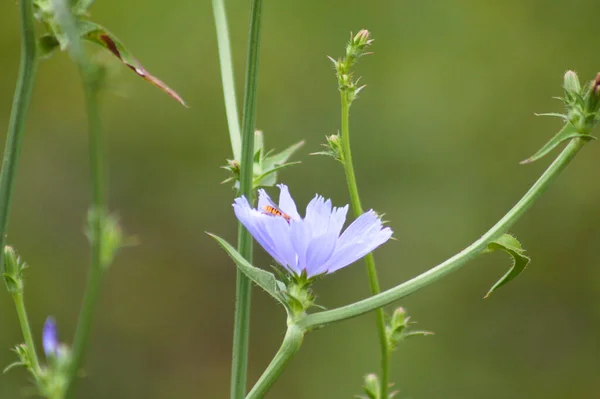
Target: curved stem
(26, 329)
(227, 78)
(458, 260)
(369, 259)
(21, 100)
(241, 329)
(290, 345)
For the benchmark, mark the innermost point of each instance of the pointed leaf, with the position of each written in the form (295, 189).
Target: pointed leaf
(269, 179)
(97, 34)
(567, 132)
(281, 157)
(555, 114)
(12, 366)
(262, 278)
(512, 246)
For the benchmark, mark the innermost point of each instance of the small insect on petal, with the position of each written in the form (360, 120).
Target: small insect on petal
(273, 210)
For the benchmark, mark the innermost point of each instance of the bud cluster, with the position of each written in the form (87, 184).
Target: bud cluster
(582, 104)
(356, 48)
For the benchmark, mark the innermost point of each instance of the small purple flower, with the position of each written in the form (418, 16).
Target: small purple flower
(50, 337)
(312, 244)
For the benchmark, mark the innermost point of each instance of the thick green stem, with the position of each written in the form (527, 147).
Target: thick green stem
(241, 329)
(227, 78)
(26, 330)
(290, 345)
(96, 214)
(369, 259)
(458, 260)
(16, 124)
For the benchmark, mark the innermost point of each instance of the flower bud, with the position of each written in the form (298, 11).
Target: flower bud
(372, 387)
(12, 271)
(571, 82)
(50, 337)
(362, 39)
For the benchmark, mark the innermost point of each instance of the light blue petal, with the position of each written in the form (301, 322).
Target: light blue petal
(318, 212)
(253, 221)
(349, 257)
(319, 251)
(364, 235)
(300, 236)
(337, 219)
(286, 203)
(279, 231)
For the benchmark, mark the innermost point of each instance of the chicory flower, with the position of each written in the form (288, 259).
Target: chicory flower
(312, 245)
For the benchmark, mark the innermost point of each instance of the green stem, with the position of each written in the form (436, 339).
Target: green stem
(26, 329)
(21, 100)
(226, 63)
(458, 260)
(96, 214)
(241, 329)
(290, 345)
(369, 259)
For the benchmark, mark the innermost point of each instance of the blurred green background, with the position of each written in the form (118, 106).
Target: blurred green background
(437, 136)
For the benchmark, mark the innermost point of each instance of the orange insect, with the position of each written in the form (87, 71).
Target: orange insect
(274, 211)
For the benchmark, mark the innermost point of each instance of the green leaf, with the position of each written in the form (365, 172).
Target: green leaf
(281, 157)
(12, 366)
(511, 246)
(566, 133)
(47, 44)
(269, 178)
(272, 163)
(262, 278)
(97, 34)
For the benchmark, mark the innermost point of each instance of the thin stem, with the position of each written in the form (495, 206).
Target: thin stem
(290, 345)
(21, 100)
(458, 260)
(241, 328)
(96, 213)
(26, 329)
(226, 63)
(369, 259)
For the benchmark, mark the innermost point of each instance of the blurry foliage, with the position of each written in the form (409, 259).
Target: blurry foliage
(437, 135)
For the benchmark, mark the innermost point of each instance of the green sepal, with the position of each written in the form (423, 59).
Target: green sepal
(262, 278)
(47, 44)
(566, 133)
(511, 246)
(99, 35)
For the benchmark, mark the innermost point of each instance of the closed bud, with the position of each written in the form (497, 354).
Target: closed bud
(13, 271)
(362, 39)
(372, 387)
(571, 82)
